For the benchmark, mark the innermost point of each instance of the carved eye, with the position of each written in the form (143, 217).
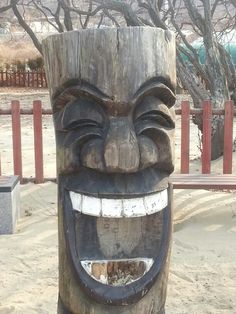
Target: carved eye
(158, 117)
(80, 114)
(152, 109)
(80, 123)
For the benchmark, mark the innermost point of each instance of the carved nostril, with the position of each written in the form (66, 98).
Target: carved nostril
(92, 155)
(121, 151)
(148, 152)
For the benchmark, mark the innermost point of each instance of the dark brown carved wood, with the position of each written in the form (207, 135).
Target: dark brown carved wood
(112, 93)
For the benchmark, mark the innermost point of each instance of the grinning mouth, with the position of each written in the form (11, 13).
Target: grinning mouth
(117, 246)
(118, 272)
(118, 208)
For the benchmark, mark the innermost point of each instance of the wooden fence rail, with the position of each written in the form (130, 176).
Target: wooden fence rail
(185, 113)
(34, 79)
(207, 113)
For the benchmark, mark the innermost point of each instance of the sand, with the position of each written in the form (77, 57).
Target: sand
(203, 263)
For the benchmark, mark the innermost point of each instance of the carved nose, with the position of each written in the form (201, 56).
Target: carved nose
(121, 151)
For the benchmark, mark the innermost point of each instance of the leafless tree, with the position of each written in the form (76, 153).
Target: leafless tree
(207, 19)
(5, 7)
(216, 78)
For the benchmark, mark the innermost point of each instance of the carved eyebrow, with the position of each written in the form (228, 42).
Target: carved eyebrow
(75, 89)
(75, 114)
(157, 89)
(152, 108)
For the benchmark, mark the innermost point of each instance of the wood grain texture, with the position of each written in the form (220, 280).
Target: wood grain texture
(113, 86)
(185, 136)
(108, 58)
(206, 137)
(16, 138)
(97, 79)
(79, 302)
(228, 137)
(38, 141)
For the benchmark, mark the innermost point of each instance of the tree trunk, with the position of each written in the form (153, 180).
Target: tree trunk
(199, 93)
(112, 93)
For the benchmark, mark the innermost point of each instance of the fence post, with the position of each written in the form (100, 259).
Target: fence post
(2, 78)
(41, 77)
(28, 78)
(10, 74)
(14, 77)
(45, 80)
(38, 141)
(32, 77)
(37, 78)
(7, 78)
(185, 128)
(206, 137)
(16, 138)
(228, 137)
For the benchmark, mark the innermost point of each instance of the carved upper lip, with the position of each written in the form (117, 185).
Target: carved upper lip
(117, 208)
(93, 183)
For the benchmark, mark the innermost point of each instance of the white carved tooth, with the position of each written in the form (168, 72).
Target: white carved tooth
(87, 265)
(148, 262)
(91, 205)
(134, 207)
(75, 200)
(112, 208)
(156, 202)
(103, 279)
(117, 208)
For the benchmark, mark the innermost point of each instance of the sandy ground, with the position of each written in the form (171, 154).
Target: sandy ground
(203, 263)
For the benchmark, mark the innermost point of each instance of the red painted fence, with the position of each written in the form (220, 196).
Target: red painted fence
(228, 112)
(37, 113)
(207, 113)
(35, 79)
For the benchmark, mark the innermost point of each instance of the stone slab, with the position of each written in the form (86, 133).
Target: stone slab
(10, 210)
(7, 183)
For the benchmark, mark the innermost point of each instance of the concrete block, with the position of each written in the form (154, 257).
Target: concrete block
(10, 210)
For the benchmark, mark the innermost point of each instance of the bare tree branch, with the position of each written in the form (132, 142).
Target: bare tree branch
(25, 26)
(233, 3)
(90, 8)
(125, 9)
(214, 6)
(65, 4)
(195, 16)
(111, 17)
(5, 8)
(154, 13)
(42, 9)
(194, 60)
(191, 82)
(101, 19)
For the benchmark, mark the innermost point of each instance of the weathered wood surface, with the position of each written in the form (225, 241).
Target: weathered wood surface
(112, 93)
(73, 295)
(108, 59)
(117, 68)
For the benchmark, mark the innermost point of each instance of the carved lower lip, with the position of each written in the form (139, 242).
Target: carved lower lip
(117, 208)
(117, 272)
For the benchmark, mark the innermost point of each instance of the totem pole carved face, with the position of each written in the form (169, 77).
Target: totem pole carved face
(114, 122)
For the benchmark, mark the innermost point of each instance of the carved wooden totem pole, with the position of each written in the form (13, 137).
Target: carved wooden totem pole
(112, 94)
